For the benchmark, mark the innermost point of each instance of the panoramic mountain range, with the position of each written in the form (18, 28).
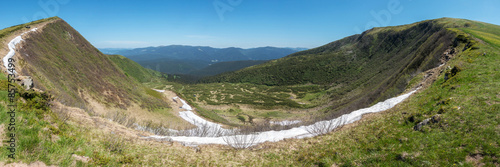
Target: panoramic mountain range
(75, 106)
(181, 59)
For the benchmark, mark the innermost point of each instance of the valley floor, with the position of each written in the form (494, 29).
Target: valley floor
(254, 138)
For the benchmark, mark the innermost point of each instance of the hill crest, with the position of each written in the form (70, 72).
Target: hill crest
(368, 67)
(63, 63)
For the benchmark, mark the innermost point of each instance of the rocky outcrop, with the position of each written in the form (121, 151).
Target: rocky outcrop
(433, 119)
(451, 72)
(447, 55)
(25, 81)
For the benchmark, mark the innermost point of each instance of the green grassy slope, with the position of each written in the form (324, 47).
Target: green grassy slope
(41, 134)
(346, 60)
(66, 65)
(359, 70)
(134, 69)
(467, 132)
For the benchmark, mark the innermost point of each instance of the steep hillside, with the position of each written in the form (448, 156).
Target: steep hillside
(134, 69)
(360, 69)
(63, 63)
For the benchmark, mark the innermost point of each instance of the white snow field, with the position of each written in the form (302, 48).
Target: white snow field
(192, 118)
(12, 49)
(161, 91)
(273, 136)
(204, 127)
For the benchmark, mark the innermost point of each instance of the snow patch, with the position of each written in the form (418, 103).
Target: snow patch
(12, 49)
(196, 120)
(184, 104)
(161, 91)
(273, 136)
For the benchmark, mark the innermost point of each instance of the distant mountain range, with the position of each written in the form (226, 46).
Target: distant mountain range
(181, 59)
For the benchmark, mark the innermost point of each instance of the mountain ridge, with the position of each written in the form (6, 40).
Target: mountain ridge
(367, 66)
(184, 59)
(61, 63)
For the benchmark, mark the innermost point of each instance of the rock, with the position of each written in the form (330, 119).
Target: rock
(433, 119)
(451, 72)
(25, 81)
(197, 149)
(81, 158)
(447, 55)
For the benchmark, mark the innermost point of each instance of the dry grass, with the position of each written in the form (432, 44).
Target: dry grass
(242, 140)
(322, 127)
(34, 164)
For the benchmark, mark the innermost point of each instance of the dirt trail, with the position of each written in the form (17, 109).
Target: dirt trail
(34, 164)
(4, 49)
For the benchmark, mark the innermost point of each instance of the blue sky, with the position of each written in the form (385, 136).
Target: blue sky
(237, 23)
